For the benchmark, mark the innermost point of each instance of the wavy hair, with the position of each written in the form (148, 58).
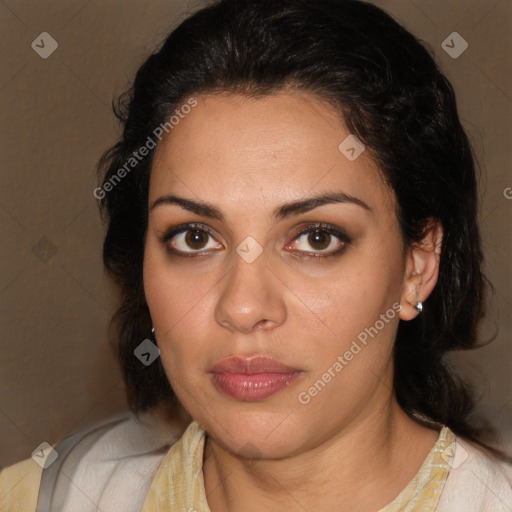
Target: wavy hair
(388, 91)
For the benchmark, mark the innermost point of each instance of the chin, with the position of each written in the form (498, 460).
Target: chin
(255, 434)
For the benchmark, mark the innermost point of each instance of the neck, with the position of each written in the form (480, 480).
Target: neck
(363, 467)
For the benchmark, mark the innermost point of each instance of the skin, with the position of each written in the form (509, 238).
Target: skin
(351, 444)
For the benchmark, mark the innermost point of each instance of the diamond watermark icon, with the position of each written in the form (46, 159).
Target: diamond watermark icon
(454, 45)
(250, 453)
(44, 250)
(249, 249)
(455, 455)
(44, 455)
(44, 45)
(147, 352)
(351, 147)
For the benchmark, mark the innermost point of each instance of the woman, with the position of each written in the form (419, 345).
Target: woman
(292, 222)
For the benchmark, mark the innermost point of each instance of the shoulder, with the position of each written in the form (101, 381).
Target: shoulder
(113, 461)
(19, 485)
(476, 481)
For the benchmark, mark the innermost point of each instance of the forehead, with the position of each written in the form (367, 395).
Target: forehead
(272, 148)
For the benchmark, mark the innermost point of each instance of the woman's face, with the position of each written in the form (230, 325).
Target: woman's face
(252, 282)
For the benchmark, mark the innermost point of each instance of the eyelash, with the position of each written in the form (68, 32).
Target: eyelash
(322, 227)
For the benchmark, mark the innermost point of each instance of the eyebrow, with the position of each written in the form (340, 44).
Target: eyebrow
(281, 212)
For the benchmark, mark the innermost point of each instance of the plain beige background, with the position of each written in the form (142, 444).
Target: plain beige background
(57, 371)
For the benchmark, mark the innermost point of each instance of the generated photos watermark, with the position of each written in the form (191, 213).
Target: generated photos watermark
(139, 155)
(357, 345)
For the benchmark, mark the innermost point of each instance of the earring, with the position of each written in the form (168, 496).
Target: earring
(152, 330)
(419, 307)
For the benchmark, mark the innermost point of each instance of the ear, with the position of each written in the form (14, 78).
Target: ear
(421, 270)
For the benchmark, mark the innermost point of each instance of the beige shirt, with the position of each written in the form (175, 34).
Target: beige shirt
(123, 471)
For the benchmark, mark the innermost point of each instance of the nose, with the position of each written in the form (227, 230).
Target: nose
(252, 297)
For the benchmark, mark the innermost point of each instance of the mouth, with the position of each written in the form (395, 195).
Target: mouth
(252, 379)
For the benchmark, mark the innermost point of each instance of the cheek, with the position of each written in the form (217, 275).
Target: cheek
(172, 295)
(358, 326)
(179, 306)
(349, 363)
(358, 309)
(353, 298)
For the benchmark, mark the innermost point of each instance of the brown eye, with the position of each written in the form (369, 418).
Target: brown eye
(196, 239)
(187, 239)
(319, 240)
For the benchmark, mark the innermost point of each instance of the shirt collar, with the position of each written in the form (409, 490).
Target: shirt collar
(179, 484)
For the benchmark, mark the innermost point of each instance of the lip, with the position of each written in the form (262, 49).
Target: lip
(251, 365)
(252, 379)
